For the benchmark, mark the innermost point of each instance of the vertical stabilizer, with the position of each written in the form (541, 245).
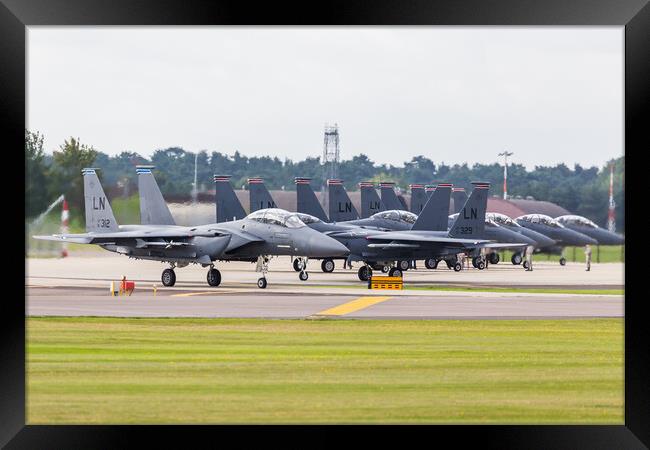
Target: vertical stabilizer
(99, 214)
(388, 195)
(460, 197)
(471, 218)
(370, 201)
(228, 206)
(306, 200)
(341, 207)
(418, 198)
(434, 215)
(153, 208)
(259, 195)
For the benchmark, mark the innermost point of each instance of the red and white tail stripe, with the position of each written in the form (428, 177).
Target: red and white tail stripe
(65, 217)
(334, 182)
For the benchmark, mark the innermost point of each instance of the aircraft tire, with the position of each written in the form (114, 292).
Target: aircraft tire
(327, 265)
(563, 261)
(261, 283)
(297, 265)
(168, 277)
(480, 264)
(526, 265)
(385, 269)
(303, 276)
(458, 267)
(214, 277)
(395, 272)
(494, 258)
(404, 265)
(431, 263)
(364, 273)
(475, 261)
(516, 259)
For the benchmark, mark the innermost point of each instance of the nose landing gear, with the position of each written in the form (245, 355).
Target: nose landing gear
(262, 266)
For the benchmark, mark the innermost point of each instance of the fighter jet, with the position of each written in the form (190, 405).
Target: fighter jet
(257, 237)
(553, 229)
(587, 227)
(420, 242)
(357, 239)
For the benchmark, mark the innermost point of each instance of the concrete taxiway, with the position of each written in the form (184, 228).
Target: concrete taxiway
(79, 286)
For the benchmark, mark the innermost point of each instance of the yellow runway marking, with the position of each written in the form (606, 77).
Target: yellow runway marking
(190, 294)
(354, 305)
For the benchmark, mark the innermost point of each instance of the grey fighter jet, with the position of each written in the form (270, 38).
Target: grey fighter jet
(257, 237)
(564, 237)
(587, 227)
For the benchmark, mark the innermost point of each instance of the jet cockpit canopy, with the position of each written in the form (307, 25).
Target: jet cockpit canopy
(540, 218)
(576, 220)
(277, 216)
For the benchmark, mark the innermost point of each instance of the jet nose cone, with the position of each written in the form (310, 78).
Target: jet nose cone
(322, 246)
(580, 239)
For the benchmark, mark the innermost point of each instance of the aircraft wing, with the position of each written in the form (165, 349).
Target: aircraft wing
(423, 238)
(501, 245)
(139, 235)
(393, 245)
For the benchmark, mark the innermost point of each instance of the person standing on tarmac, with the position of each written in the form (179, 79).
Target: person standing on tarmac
(588, 256)
(529, 258)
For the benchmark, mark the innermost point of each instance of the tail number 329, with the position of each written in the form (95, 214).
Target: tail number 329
(465, 230)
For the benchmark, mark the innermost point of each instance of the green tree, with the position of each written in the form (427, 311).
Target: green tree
(65, 173)
(36, 195)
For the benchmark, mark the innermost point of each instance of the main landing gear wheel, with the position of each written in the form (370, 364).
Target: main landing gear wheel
(297, 265)
(385, 269)
(563, 261)
(404, 265)
(261, 283)
(516, 259)
(480, 264)
(327, 265)
(303, 276)
(431, 263)
(168, 277)
(395, 272)
(494, 258)
(526, 265)
(214, 277)
(458, 267)
(364, 273)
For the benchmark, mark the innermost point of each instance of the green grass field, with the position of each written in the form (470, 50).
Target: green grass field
(606, 254)
(121, 371)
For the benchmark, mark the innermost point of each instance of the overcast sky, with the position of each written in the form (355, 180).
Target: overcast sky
(454, 94)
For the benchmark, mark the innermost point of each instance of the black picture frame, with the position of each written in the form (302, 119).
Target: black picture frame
(634, 15)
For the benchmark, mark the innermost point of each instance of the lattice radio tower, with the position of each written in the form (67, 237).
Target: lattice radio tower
(330, 158)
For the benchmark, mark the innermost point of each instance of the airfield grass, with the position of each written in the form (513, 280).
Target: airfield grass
(126, 371)
(608, 254)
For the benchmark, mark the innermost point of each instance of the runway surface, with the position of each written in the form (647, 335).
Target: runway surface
(79, 286)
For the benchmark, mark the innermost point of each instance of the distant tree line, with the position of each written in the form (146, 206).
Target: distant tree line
(581, 190)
